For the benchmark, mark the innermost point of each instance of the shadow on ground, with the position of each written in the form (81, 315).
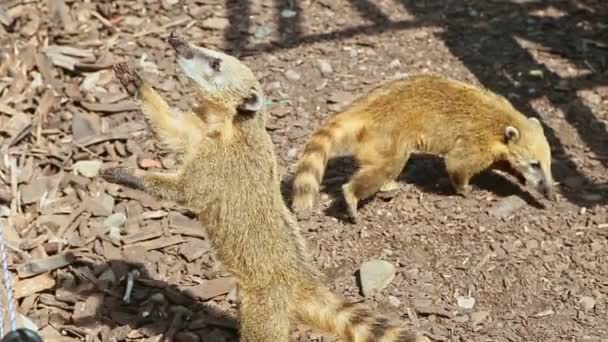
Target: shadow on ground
(153, 306)
(484, 36)
(426, 172)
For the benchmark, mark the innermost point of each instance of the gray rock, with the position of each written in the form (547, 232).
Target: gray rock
(506, 206)
(324, 67)
(116, 220)
(287, 13)
(375, 275)
(394, 301)
(292, 75)
(215, 23)
(262, 32)
(587, 303)
(395, 63)
(87, 168)
(465, 302)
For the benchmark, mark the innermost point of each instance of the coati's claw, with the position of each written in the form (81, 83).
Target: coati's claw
(128, 77)
(123, 176)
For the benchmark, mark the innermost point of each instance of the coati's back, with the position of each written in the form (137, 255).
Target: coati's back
(427, 112)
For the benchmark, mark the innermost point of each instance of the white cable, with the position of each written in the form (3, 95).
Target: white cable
(8, 286)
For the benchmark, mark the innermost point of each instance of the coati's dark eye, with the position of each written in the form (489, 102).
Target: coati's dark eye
(215, 64)
(535, 164)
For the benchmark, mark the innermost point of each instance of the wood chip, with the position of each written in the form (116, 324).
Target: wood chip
(140, 236)
(118, 107)
(159, 243)
(4, 109)
(210, 289)
(30, 286)
(35, 267)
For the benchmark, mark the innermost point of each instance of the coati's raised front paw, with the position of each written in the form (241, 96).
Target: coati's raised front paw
(125, 176)
(128, 77)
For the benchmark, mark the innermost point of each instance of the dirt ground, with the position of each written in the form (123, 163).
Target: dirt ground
(501, 265)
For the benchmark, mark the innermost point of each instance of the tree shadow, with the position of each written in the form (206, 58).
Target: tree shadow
(236, 36)
(489, 49)
(482, 34)
(152, 309)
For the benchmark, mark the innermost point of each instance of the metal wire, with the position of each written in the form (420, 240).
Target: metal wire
(12, 317)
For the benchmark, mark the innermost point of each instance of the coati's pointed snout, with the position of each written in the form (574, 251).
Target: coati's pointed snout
(548, 190)
(180, 46)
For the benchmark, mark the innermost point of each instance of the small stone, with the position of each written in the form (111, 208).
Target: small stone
(275, 85)
(507, 206)
(536, 73)
(394, 301)
(375, 275)
(210, 289)
(292, 153)
(169, 3)
(87, 168)
(262, 31)
(532, 244)
(292, 75)
(116, 220)
(147, 163)
(324, 67)
(465, 302)
(287, 13)
(587, 303)
(478, 317)
(215, 23)
(395, 63)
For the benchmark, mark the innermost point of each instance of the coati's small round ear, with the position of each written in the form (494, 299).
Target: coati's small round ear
(536, 122)
(253, 103)
(511, 134)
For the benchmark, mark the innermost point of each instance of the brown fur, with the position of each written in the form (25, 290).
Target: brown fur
(229, 178)
(472, 128)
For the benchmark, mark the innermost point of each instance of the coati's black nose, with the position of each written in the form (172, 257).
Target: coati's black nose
(180, 46)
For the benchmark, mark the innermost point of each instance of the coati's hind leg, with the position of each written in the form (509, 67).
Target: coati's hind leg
(263, 316)
(462, 164)
(160, 185)
(376, 172)
(172, 127)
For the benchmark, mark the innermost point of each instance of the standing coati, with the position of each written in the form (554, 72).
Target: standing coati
(228, 177)
(474, 129)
